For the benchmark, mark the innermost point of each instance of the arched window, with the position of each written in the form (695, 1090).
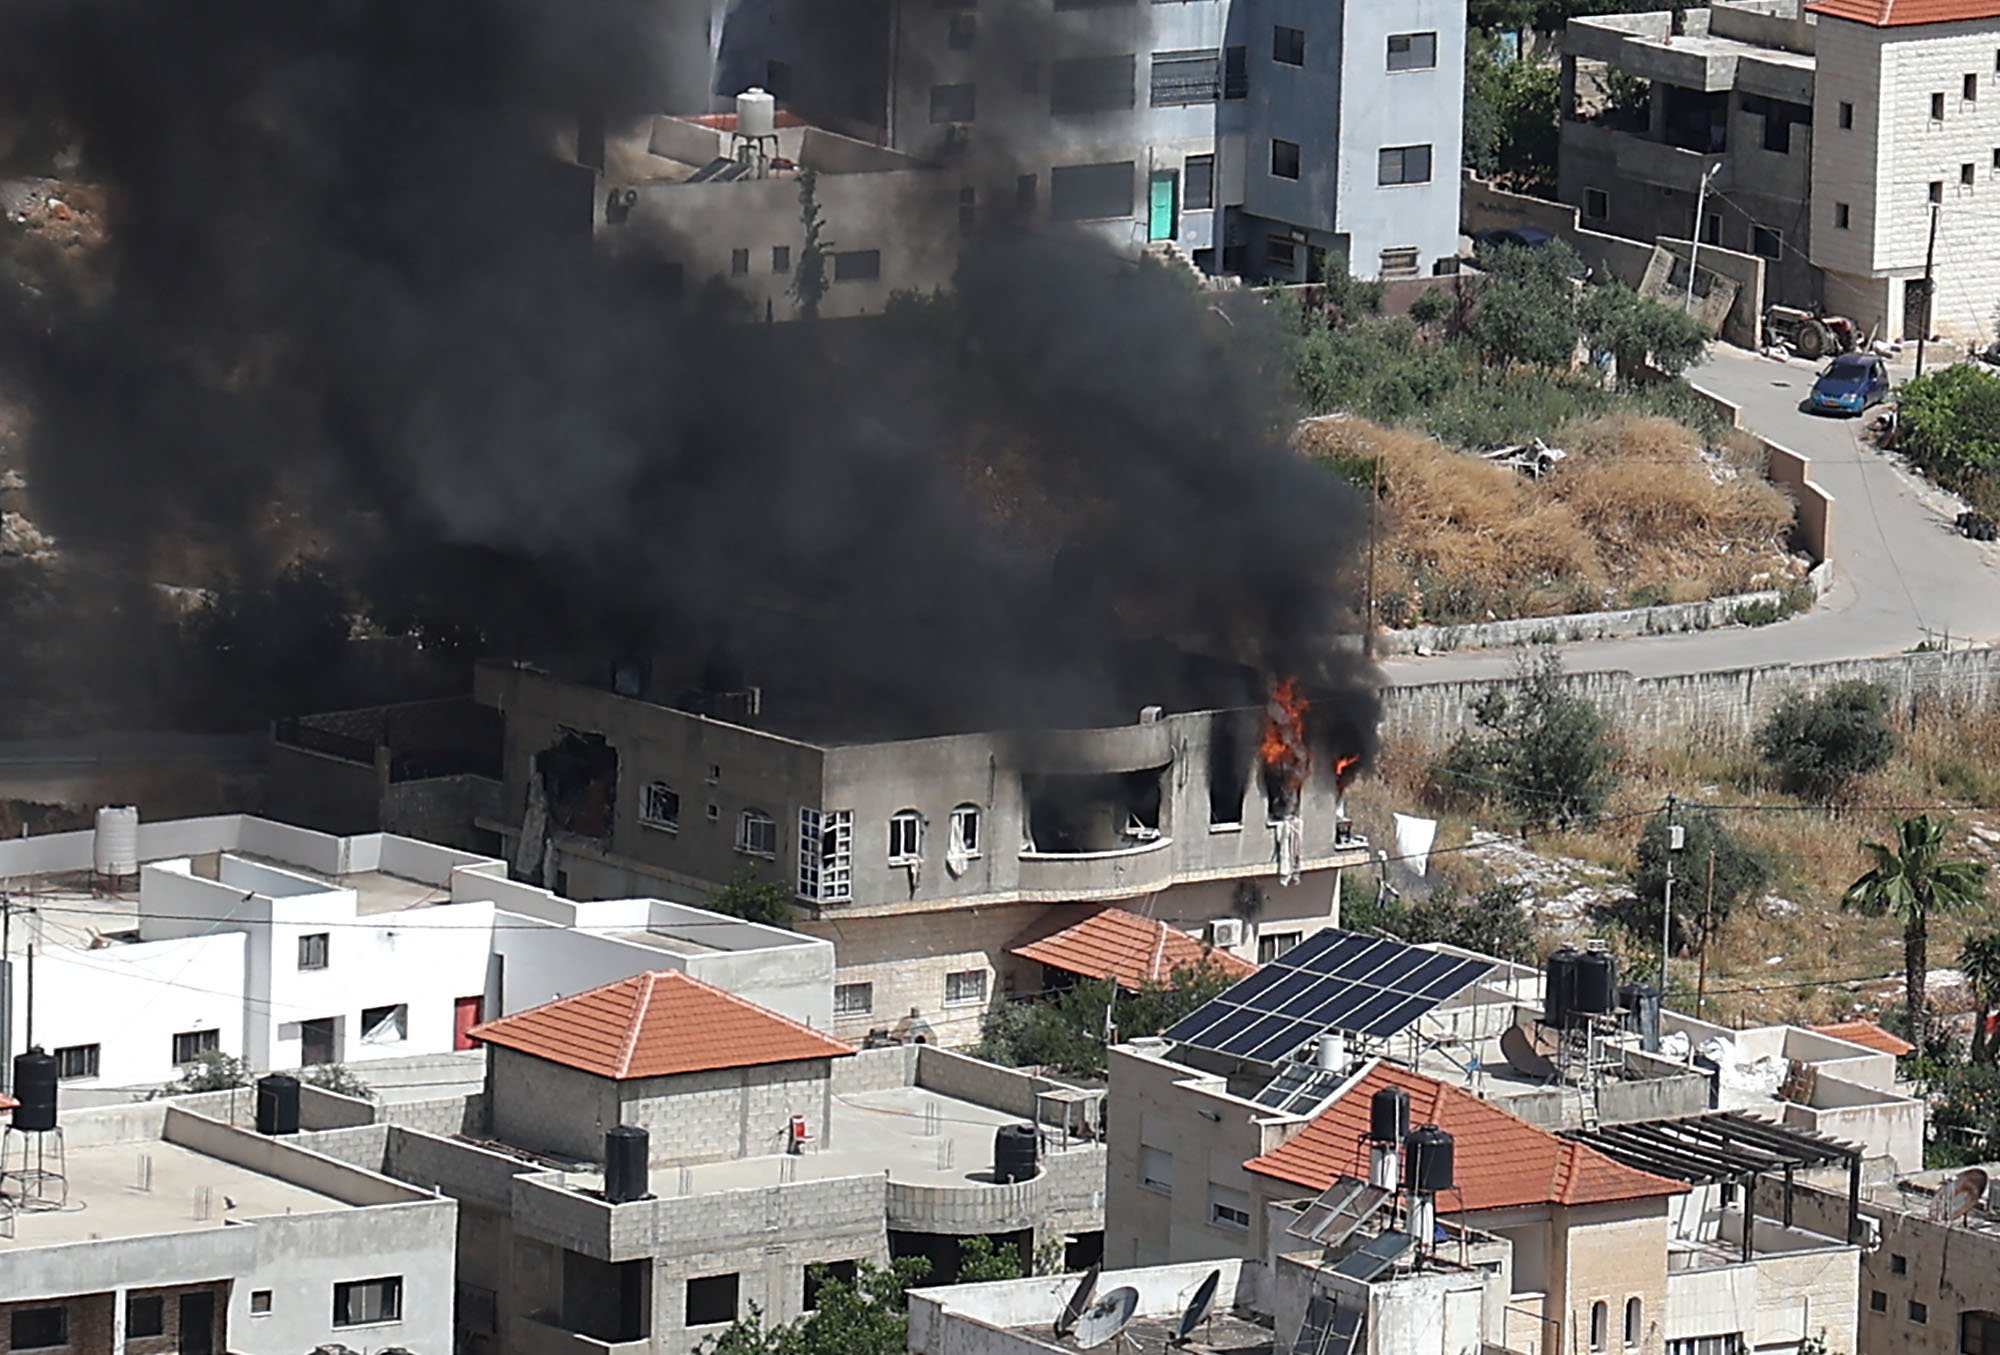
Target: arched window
(906, 837)
(1600, 1321)
(1634, 1316)
(965, 830)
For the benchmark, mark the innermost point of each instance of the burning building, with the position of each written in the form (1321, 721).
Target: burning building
(982, 835)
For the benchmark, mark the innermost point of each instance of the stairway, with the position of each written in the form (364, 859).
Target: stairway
(1170, 253)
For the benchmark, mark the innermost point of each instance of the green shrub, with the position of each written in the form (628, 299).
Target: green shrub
(1543, 753)
(1741, 872)
(1818, 745)
(1948, 423)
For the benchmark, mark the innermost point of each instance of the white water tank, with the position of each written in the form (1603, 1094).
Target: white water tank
(115, 846)
(756, 113)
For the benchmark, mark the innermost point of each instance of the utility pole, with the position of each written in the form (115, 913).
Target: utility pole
(6, 992)
(1694, 245)
(1675, 838)
(1707, 930)
(1930, 262)
(1374, 505)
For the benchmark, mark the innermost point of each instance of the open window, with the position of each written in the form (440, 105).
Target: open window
(1105, 812)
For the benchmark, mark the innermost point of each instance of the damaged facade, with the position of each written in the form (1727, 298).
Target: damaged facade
(983, 835)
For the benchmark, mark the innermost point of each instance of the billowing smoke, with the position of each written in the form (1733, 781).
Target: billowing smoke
(349, 285)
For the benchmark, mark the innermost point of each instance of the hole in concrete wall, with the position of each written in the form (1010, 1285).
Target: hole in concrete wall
(1093, 813)
(579, 772)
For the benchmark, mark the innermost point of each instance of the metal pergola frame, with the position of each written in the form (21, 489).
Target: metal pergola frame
(1730, 1148)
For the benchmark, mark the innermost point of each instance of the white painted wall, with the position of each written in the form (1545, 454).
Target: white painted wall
(131, 1001)
(1380, 108)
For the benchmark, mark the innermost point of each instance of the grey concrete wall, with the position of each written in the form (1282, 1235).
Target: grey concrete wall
(1731, 703)
(1668, 619)
(975, 1080)
(444, 1115)
(322, 1109)
(728, 1113)
(285, 1159)
(322, 791)
(875, 1070)
(549, 1107)
(461, 1170)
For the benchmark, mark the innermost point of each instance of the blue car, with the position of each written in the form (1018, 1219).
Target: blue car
(1850, 384)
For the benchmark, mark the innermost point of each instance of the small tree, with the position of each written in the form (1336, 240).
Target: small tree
(1493, 922)
(1913, 881)
(210, 1071)
(1819, 745)
(866, 1317)
(753, 899)
(809, 272)
(1431, 307)
(1639, 331)
(1525, 311)
(1067, 1031)
(1542, 752)
(1979, 958)
(1740, 872)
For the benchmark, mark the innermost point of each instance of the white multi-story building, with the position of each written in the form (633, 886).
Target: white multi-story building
(1907, 112)
(285, 947)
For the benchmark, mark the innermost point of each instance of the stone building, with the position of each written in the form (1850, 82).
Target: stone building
(1830, 135)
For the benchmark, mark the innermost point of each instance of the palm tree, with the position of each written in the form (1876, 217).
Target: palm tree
(1979, 957)
(1912, 882)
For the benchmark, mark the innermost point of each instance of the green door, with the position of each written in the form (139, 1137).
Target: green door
(1160, 207)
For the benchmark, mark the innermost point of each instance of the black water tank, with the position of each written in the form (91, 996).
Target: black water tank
(277, 1104)
(1596, 983)
(35, 1089)
(1559, 996)
(626, 1148)
(1389, 1115)
(1014, 1153)
(1427, 1161)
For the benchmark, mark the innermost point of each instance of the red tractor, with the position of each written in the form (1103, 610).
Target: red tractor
(1810, 335)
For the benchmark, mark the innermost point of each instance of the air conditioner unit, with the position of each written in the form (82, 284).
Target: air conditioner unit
(1225, 933)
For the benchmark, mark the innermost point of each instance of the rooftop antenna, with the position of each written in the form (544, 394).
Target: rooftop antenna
(1197, 1309)
(1106, 1317)
(1079, 1300)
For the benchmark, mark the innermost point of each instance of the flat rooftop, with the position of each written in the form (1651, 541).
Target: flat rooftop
(109, 1196)
(916, 1136)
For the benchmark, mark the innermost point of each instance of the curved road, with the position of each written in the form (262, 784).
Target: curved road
(1902, 573)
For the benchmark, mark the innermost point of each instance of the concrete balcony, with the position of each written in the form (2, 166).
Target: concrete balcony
(1630, 156)
(534, 1336)
(1052, 877)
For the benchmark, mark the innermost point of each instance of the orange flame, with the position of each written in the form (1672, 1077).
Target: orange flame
(1284, 745)
(1342, 766)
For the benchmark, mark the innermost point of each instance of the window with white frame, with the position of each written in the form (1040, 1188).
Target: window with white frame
(313, 950)
(1270, 945)
(1634, 1321)
(756, 833)
(906, 837)
(1730, 1343)
(965, 830)
(385, 1025)
(963, 987)
(1600, 1324)
(660, 806)
(853, 999)
(826, 855)
(1156, 1169)
(1228, 1208)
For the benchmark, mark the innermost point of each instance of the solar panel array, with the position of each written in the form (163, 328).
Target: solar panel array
(1340, 1209)
(1331, 1328)
(1368, 1263)
(1299, 1088)
(1335, 980)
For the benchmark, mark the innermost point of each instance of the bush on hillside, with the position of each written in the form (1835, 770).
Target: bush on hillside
(1819, 745)
(1543, 753)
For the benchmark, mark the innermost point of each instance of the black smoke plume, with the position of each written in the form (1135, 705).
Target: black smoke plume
(349, 277)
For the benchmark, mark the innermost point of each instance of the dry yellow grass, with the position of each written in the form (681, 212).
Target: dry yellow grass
(1635, 514)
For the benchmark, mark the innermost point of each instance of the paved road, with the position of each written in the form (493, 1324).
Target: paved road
(1901, 573)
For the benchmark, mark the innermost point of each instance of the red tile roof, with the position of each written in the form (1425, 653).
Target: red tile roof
(1905, 13)
(1125, 948)
(1502, 1161)
(1869, 1034)
(657, 1025)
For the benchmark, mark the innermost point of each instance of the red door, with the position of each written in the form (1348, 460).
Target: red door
(465, 1015)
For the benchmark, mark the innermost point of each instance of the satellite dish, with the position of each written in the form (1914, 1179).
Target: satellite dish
(1107, 1317)
(1522, 1056)
(1197, 1308)
(1960, 1196)
(1079, 1299)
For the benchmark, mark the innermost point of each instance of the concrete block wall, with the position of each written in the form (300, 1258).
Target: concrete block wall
(549, 1107)
(982, 1083)
(729, 1113)
(877, 1070)
(445, 1115)
(1727, 704)
(460, 1170)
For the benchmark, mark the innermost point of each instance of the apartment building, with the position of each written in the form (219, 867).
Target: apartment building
(976, 834)
(768, 1156)
(1248, 137)
(166, 1227)
(1828, 135)
(285, 947)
